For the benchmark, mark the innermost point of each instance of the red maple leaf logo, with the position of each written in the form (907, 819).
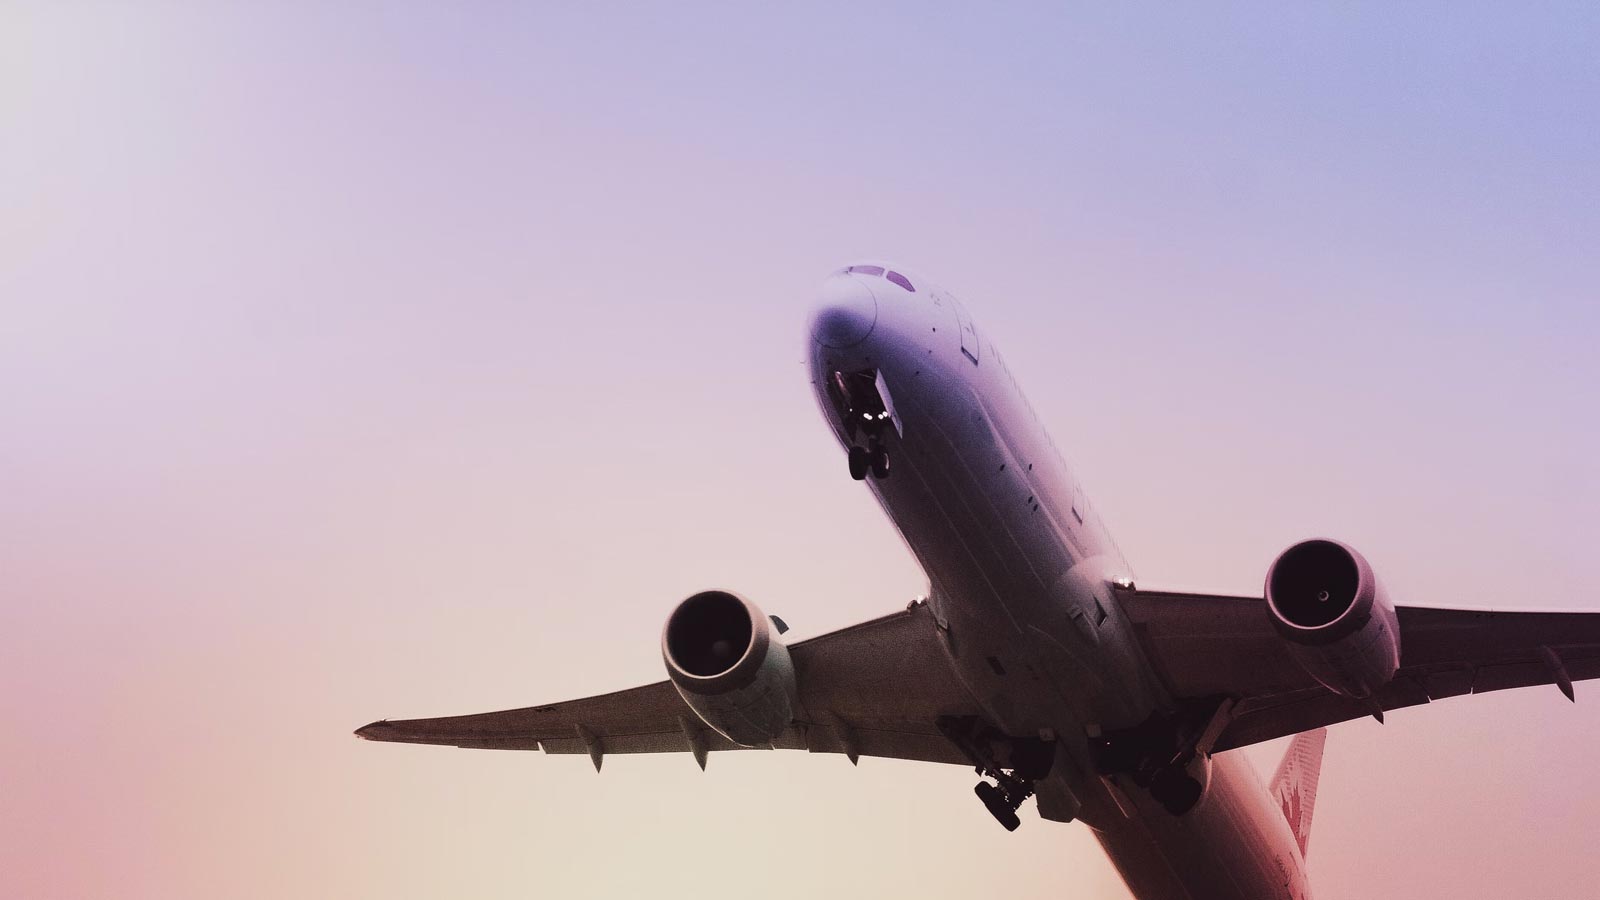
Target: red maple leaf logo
(1291, 809)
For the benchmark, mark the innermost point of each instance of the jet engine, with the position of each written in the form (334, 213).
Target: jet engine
(1326, 602)
(729, 667)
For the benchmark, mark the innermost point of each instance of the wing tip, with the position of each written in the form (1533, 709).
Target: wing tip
(373, 731)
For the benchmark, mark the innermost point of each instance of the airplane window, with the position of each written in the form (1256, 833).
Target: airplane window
(901, 280)
(866, 270)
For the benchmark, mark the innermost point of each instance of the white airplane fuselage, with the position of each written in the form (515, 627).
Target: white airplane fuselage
(1021, 573)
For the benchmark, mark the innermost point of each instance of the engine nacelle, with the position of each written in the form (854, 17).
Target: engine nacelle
(1341, 628)
(729, 667)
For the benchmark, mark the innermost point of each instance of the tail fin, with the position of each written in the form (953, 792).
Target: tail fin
(1295, 784)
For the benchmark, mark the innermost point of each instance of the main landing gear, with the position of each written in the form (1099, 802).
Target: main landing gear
(1162, 752)
(1003, 798)
(1014, 764)
(1175, 789)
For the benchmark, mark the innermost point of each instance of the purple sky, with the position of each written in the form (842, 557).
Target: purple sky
(359, 364)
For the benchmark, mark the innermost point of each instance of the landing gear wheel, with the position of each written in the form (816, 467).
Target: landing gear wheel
(859, 462)
(1176, 790)
(995, 800)
(880, 462)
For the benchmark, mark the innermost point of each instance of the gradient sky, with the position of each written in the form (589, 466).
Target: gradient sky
(362, 362)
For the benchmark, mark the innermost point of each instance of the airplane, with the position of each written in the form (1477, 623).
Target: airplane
(1034, 657)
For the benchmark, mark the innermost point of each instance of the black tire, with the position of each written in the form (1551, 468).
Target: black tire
(1176, 790)
(880, 462)
(995, 801)
(1008, 820)
(859, 462)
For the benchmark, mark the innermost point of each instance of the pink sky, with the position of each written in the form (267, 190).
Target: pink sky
(363, 365)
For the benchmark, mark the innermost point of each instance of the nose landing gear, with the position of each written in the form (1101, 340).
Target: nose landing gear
(872, 459)
(862, 401)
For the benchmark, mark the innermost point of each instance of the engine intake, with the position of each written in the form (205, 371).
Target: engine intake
(729, 667)
(1328, 604)
(708, 634)
(1312, 586)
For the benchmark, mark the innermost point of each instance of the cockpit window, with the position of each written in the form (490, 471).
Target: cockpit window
(866, 270)
(901, 280)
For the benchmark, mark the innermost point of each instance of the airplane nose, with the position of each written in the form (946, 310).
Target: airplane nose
(846, 313)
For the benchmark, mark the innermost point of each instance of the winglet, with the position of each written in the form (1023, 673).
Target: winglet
(1294, 785)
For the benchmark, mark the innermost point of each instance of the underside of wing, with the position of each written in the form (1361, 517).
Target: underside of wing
(874, 689)
(1210, 645)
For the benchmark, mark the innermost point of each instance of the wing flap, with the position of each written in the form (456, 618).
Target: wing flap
(1204, 645)
(650, 742)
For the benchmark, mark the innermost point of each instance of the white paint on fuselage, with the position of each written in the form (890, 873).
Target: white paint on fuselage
(1020, 570)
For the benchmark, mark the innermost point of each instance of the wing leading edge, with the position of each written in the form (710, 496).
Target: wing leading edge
(1208, 645)
(873, 689)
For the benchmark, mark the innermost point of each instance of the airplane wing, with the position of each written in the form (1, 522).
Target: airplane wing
(1205, 645)
(874, 689)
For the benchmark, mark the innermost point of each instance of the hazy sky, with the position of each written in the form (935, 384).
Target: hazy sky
(363, 362)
